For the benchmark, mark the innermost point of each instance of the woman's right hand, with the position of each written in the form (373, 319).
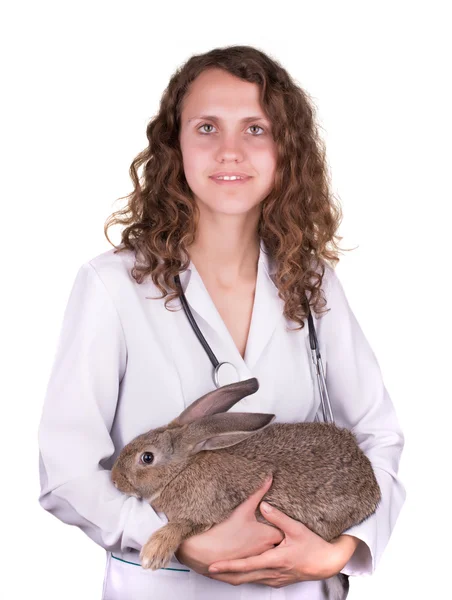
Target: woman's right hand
(239, 536)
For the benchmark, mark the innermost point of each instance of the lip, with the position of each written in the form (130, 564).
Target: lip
(226, 182)
(230, 174)
(235, 182)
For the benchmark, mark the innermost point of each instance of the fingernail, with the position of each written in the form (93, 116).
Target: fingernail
(266, 507)
(268, 478)
(213, 570)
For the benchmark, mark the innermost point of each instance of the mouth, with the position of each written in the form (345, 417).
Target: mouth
(240, 181)
(124, 486)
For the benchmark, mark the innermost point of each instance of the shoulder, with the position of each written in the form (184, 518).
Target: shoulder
(330, 279)
(112, 268)
(107, 277)
(331, 287)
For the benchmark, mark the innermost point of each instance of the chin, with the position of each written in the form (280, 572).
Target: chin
(232, 206)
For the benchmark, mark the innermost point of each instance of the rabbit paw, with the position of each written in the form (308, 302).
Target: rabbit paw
(157, 551)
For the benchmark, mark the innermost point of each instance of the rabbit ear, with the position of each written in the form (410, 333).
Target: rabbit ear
(222, 430)
(218, 401)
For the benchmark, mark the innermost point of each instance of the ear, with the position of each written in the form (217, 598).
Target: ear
(218, 401)
(222, 430)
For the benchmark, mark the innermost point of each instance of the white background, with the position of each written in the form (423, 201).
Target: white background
(80, 82)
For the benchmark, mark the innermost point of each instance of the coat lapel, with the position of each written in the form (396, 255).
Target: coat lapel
(267, 310)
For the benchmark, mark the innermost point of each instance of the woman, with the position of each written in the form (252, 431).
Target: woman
(247, 252)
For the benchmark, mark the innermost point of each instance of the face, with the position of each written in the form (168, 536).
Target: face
(229, 140)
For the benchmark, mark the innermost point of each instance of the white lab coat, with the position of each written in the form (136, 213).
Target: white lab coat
(124, 365)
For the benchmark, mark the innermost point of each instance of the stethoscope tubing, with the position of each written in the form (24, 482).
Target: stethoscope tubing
(315, 353)
(327, 411)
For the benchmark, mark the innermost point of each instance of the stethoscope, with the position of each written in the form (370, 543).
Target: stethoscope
(225, 372)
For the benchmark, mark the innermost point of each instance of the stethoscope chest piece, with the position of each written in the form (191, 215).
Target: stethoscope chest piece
(225, 373)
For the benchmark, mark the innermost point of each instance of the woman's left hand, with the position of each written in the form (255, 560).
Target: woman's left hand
(302, 555)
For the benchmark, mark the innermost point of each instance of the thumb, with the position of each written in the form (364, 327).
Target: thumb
(282, 521)
(252, 502)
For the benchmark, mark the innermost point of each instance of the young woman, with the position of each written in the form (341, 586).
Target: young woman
(248, 252)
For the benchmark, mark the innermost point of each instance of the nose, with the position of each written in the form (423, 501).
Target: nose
(230, 149)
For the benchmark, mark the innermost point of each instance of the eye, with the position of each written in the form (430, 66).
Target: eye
(204, 125)
(147, 458)
(210, 125)
(258, 127)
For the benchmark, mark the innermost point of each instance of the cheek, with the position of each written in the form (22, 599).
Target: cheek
(264, 161)
(196, 158)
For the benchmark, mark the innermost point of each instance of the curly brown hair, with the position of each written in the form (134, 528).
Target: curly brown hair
(299, 217)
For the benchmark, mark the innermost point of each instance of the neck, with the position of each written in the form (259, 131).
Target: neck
(225, 254)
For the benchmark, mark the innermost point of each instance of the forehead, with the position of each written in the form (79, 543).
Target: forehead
(217, 92)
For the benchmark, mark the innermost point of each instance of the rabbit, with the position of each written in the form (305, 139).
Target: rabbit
(205, 462)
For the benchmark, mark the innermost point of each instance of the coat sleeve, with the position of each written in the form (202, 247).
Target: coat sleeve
(78, 412)
(361, 403)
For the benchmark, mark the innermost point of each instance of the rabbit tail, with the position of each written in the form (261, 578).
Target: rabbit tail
(336, 588)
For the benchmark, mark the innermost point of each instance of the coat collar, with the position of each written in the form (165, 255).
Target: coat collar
(267, 311)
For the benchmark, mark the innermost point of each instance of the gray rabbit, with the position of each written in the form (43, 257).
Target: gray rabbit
(205, 462)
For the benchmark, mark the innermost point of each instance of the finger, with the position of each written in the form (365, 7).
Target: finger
(266, 577)
(279, 536)
(252, 502)
(267, 560)
(282, 521)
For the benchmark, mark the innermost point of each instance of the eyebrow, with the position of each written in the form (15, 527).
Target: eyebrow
(218, 119)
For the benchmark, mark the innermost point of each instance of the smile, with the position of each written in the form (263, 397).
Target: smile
(232, 181)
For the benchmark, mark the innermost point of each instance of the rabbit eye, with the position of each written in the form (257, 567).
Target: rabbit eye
(147, 458)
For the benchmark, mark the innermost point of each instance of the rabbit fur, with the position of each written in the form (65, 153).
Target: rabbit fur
(206, 462)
